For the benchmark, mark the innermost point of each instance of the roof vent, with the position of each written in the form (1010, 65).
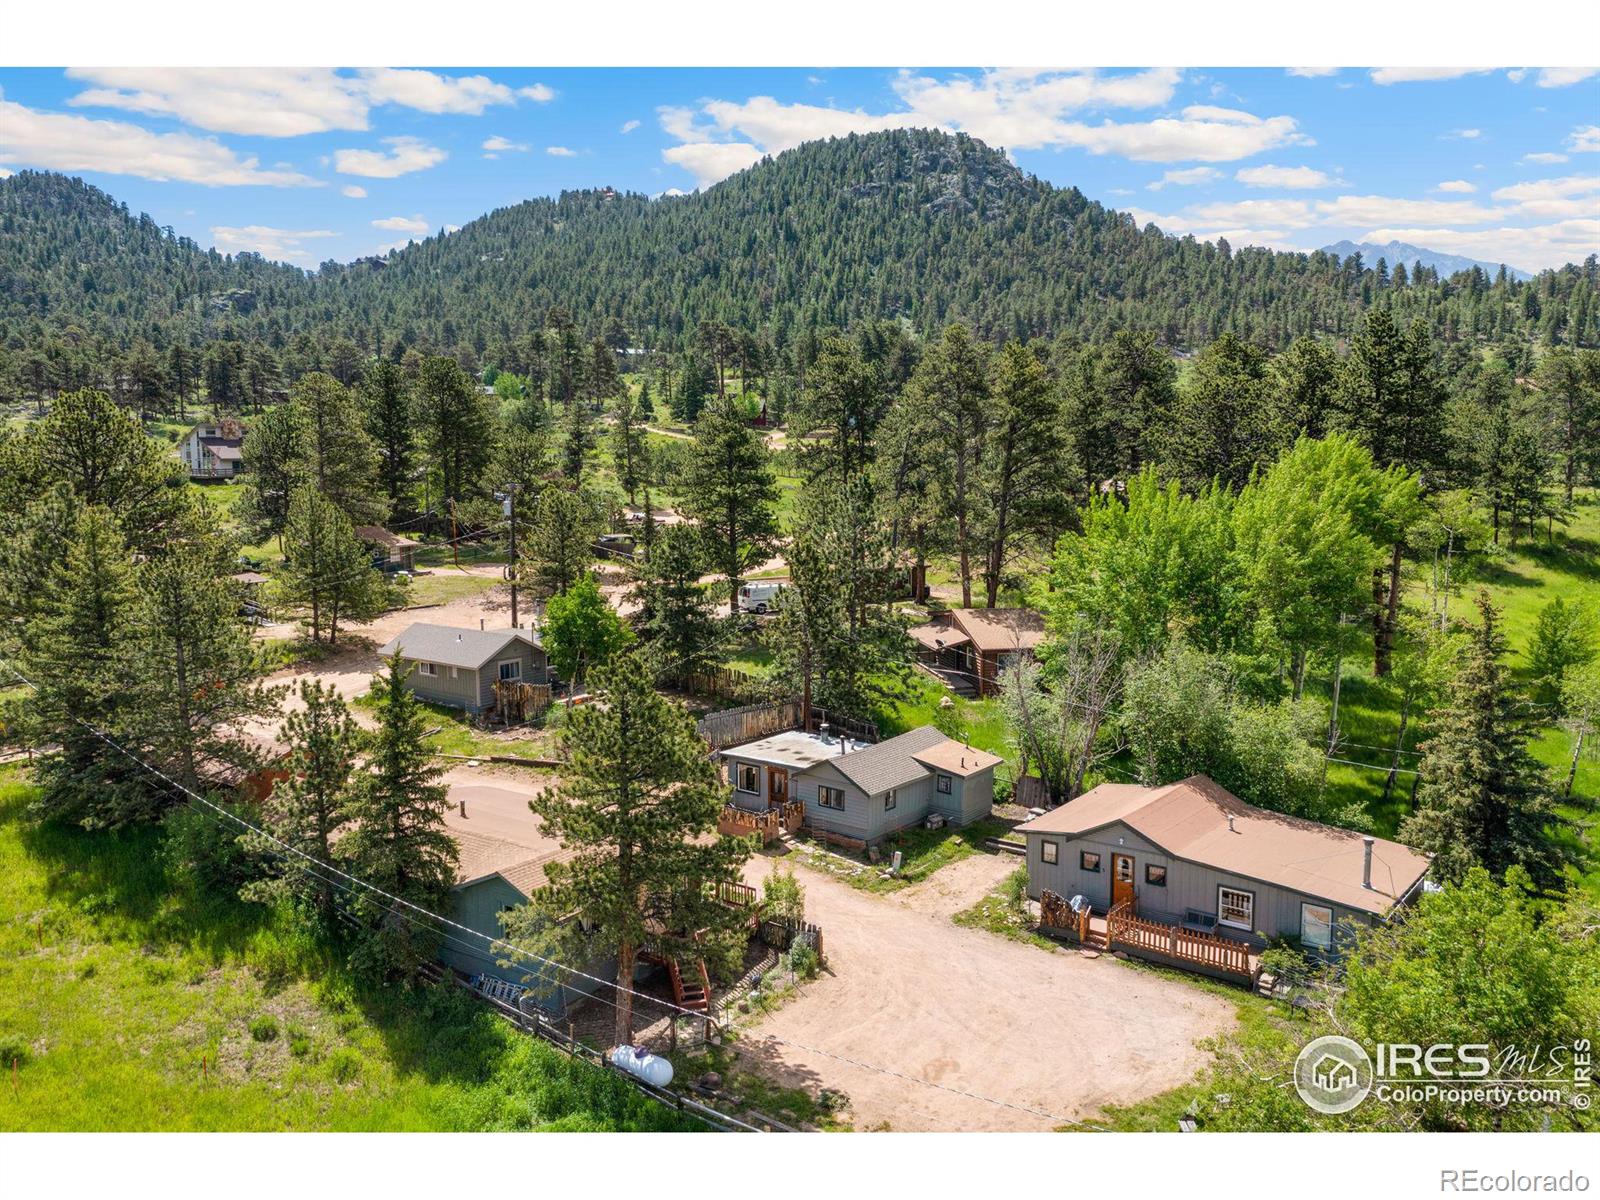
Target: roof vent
(1231, 829)
(1366, 862)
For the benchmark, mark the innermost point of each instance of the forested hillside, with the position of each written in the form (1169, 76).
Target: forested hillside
(915, 226)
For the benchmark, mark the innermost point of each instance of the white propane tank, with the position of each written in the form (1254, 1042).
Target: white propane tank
(638, 1061)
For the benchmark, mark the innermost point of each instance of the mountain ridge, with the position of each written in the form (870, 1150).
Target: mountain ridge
(1395, 252)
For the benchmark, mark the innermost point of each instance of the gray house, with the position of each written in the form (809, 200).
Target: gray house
(459, 667)
(1194, 859)
(493, 876)
(857, 793)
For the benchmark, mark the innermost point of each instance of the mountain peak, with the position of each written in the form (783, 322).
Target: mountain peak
(1404, 252)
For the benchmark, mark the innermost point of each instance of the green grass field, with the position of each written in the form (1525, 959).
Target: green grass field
(128, 1005)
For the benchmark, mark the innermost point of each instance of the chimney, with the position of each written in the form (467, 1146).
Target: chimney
(1231, 829)
(480, 628)
(1366, 862)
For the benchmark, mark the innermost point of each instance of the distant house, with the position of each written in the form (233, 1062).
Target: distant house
(1191, 858)
(459, 667)
(390, 552)
(492, 876)
(858, 793)
(969, 648)
(213, 451)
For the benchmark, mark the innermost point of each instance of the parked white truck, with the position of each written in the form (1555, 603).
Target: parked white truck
(759, 597)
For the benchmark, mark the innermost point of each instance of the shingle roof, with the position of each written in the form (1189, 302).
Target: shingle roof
(379, 536)
(1000, 629)
(888, 764)
(481, 856)
(452, 647)
(956, 758)
(1190, 820)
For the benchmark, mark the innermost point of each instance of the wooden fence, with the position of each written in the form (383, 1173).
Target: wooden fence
(725, 683)
(736, 726)
(770, 825)
(1029, 791)
(1174, 941)
(780, 934)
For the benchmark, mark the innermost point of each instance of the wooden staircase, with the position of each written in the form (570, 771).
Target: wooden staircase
(694, 992)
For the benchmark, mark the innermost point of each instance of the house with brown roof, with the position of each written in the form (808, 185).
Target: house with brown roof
(493, 876)
(213, 451)
(390, 551)
(1190, 864)
(857, 793)
(969, 648)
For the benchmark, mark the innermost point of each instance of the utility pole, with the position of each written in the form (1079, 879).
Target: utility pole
(511, 569)
(455, 544)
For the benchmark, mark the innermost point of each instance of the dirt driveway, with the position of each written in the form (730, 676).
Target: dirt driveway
(909, 990)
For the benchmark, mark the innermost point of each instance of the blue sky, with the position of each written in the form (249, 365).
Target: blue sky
(307, 165)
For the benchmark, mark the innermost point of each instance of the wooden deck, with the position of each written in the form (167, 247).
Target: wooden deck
(1122, 929)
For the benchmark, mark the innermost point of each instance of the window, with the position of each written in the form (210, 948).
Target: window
(427, 669)
(1155, 876)
(830, 797)
(1236, 908)
(1049, 852)
(944, 785)
(749, 778)
(888, 799)
(511, 670)
(1088, 860)
(1316, 926)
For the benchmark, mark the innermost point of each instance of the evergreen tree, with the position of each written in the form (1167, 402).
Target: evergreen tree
(676, 619)
(730, 490)
(630, 448)
(560, 542)
(398, 841)
(1223, 423)
(310, 807)
(391, 423)
(1304, 384)
(638, 810)
(192, 674)
(336, 452)
(273, 470)
(328, 575)
(457, 427)
(1483, 799)
(838, 413)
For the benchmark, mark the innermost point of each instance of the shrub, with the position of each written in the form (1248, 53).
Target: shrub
(204, 852)
(264, 1028)
(784, 896)
(803, 960)
(345, 1064)
(14, 1048)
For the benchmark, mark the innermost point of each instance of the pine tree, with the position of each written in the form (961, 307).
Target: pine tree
(310, 807)
(273, 469)
(391, 423)
(328, 575)
(192, 674)
(72, 651)
(638, 810)
(676, 619)
(630, 448)
(398, 841)
(730, 490)
(1483, 799)
(560, 541)
(457, 427)
(337, 454)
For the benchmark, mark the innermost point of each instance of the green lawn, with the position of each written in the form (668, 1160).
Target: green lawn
(983, 724)
(455, 734)
(922, 852)
(129, 1005)
(1004, 912)
(444, 584)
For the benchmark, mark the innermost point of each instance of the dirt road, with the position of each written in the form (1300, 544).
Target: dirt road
(1050, 1036)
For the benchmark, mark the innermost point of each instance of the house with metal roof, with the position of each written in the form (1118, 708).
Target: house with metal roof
(459, 667)
(1182, 872)
(857, 792)
(969, 648)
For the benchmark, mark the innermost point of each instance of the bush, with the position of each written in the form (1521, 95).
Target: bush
(803, 960)
(264, 1028)
(14, 1048)
(784, 896)
(203, 851)
(345, 1064)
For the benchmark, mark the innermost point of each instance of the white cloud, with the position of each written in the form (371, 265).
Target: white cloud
(281, 244)
(4, 173)
(1466, 134)
(538, 93)
(1531, 248)
(65, 142)
(561, 152)
(500, 145)
(280, 102)
(407, 154)
(710, 162)
(1364, 210)
(1286, 177)
(1388, 75)
(629, 126)
(674, 192)
(1237, 235)
(1554, 199)
(1256, 214)
(1585, 139)
(402, 224)
(1313, 72)
(1014, 109)
(1456, 185)
(1186, 177)
(1544, 156)
(1555, 77)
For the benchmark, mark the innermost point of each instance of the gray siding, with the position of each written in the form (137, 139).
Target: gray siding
(454, 687)
(756, 801)
(462, 687)
(535, 669)
(853, 821)
(968, 800)
(1189, 885)
(865, 818)
(478, 906)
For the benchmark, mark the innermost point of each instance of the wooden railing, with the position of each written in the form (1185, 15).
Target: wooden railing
(734, 821)
(1174, 941)
(736, 895)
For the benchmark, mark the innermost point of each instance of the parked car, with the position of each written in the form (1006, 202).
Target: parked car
(759, 597)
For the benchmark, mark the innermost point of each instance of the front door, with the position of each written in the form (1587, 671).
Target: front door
(1121, 879)
(777, 787)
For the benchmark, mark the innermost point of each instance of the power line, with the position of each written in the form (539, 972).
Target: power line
(517, 951)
